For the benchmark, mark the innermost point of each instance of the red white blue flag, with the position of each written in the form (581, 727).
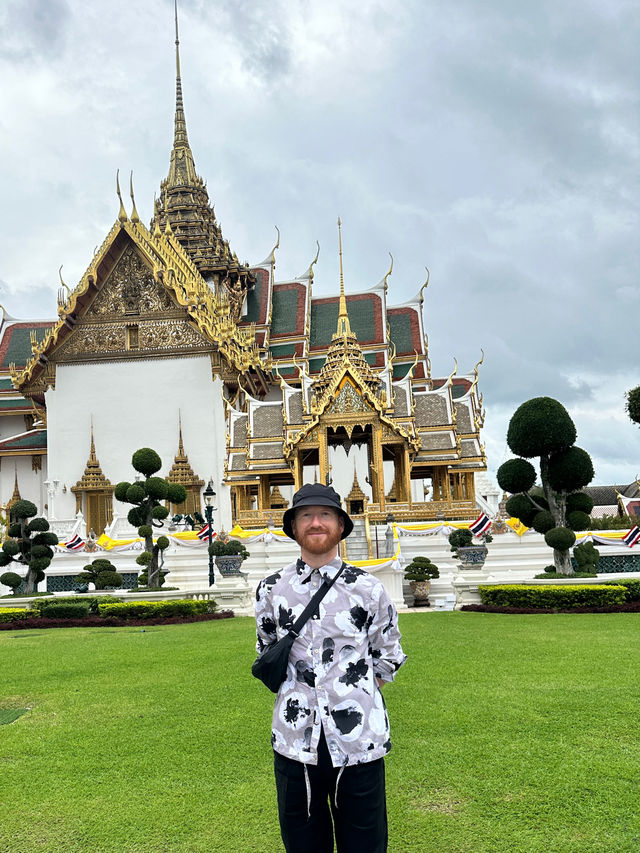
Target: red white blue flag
(75, 543)
(480, 525)
(204, 532)
(632, 536)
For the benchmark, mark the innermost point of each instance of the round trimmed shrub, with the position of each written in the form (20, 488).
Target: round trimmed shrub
(570, 470)
(156, 488)
(560, 538)
(159, 512)
(540, 426)
(41, 551)
(516, 475)
(11, 579)
(145, 530)
(38, 525)
(135, 493)
(120, 491)
(15, 530)
(633, 404)
(543, 521)
(146, 461)
(579, 502)
(39, 564)
(5, 559)
(537, 493)
(519, 506)
(23, 509)
(144, 559)
(11, 547)
(577, 520)
(47, 538)
(459, 538)
(135, 517)
(176, 493)
(163, 542)
(106, 579)
(550, 570)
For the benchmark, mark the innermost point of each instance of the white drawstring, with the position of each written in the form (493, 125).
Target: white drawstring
(335, 797)
(308, 784)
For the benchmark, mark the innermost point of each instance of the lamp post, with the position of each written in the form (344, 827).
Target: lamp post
(209, 495)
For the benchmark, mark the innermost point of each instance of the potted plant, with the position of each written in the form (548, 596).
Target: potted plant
(471, 556)
(420, 572)
(229, 555)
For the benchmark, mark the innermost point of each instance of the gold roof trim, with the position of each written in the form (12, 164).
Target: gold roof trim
(181, 470)
(211, 313)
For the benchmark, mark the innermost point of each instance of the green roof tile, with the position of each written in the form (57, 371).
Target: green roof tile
(284, 318)
(15, 403)
(282, 351)
(324, 321)
(400, 331)
(19, 346)
(29, 441)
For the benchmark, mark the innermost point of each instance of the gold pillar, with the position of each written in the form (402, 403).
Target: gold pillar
(264, 493)
(297, 471)
(323, 454)
(378, 466)
(406, 471)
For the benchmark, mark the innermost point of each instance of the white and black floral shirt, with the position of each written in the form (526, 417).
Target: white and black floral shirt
(334, 663)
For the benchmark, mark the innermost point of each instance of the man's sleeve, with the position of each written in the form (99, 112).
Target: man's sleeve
(384, 637)
(265, 621)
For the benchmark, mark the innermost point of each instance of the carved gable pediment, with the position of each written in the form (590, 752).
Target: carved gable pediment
(130, 289)
(348, 401)
(132, 316)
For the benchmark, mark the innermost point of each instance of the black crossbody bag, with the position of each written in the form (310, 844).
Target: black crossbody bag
(271, 666)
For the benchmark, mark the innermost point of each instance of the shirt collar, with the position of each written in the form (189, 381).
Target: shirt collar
(328, 572)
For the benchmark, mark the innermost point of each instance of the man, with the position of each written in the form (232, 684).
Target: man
(330, 726)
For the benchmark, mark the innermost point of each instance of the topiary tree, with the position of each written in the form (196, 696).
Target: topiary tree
(586, 557)
(633, 404)
(421, 569)
(34, 552)
(12, 580)
(148, 511)
(102, 573)
(542, 428)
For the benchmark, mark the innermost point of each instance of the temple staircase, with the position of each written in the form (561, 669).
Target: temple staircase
(357, 547)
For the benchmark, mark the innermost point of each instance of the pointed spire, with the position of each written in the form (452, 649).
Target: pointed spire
(344, 327)
(182, 168)
(134, 213)
(122, 213)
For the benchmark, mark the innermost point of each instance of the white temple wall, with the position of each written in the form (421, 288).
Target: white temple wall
(30, 483)
(135, 404)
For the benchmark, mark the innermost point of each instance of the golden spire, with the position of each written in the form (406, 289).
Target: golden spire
(344, 328)
(134, 213)
(182, 169)
(122, 213)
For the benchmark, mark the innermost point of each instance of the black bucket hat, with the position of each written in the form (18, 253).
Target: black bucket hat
(315, 494)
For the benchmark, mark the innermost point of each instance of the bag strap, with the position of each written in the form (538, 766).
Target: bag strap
(314, 603)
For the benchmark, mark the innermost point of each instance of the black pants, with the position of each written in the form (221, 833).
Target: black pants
(359, 818)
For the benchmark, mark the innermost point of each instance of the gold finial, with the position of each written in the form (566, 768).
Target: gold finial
(475, 369)
(424, 286)
(134, 213)
(344, 327)
(182, 169)
(426, 352)
(177, 41)
(385, 279)
(62, 298)
(92, 449)
(455, 370)
(122, 213)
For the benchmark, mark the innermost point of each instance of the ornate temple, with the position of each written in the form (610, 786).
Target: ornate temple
(258, 385)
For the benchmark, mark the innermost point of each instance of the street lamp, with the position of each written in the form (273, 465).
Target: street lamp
(209, 495)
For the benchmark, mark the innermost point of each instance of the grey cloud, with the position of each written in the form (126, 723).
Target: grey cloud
(33, 29)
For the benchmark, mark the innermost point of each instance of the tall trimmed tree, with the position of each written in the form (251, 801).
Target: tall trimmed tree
(148, 511)
(29, 544)
(542, 428)
(633, 404)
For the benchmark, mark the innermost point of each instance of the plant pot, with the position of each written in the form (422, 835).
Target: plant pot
(472, 557)
(420, 590)
(229, 565)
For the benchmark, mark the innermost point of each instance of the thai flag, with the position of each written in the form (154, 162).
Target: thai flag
(632, 536)
(204, 533)
(75, 543)
(480, 525)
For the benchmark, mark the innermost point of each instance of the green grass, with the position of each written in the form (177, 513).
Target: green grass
(511, 733)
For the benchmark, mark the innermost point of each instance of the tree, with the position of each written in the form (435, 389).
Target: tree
(633, 404)
(148, 511)
(542, 428)
(34, 552)
(102, 573)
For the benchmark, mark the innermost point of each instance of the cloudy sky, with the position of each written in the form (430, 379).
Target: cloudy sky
(496, 143)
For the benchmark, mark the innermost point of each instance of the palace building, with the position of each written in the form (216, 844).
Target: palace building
(258, 385)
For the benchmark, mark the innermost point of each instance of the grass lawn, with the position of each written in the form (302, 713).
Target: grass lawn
(511, 733)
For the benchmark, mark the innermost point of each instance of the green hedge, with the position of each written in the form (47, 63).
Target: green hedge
(153, 609)
(92, 602)
(66, 610)
(561, 597)
(10, 614)
(632, 587)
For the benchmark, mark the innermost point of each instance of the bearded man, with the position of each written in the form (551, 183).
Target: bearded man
(330, 729)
